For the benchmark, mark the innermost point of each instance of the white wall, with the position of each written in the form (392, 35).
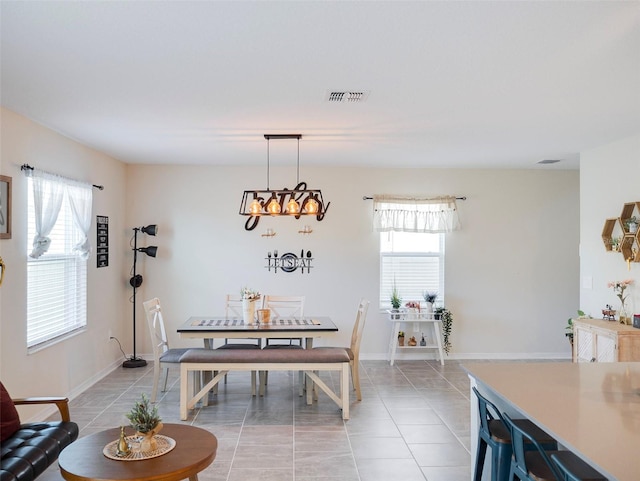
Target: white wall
(67, 367)
(511, 276)
(511, 273)
(609, 177)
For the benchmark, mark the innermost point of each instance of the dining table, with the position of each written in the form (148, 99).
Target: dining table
(210, 328)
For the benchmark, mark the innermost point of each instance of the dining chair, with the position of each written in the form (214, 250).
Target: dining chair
(537, 464)
(493, 433)
(354, 347)
(233, 308)
(163, 356)
(283, 307)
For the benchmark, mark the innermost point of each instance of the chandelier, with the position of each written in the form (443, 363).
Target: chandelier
(290, 202)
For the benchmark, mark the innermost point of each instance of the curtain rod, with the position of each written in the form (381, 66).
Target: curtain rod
(28, 167)
(371, 198)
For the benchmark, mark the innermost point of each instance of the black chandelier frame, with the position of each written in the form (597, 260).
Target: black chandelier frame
(294, 202)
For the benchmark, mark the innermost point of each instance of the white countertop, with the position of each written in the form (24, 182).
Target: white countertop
(591, 408)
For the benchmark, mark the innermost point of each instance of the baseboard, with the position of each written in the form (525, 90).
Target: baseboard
(514, 356)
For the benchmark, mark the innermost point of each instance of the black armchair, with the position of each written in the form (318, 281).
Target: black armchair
(33, 447)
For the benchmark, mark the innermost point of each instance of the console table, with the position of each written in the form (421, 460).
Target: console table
(597, 340)
(419, 321)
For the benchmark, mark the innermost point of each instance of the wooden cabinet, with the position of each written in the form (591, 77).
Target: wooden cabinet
(596, 340)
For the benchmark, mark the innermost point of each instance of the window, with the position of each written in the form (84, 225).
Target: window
(414, 262)
(57, 276)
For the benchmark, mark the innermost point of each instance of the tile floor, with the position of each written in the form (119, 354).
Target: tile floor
(412, 424)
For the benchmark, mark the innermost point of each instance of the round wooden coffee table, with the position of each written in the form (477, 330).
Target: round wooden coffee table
(195, 449)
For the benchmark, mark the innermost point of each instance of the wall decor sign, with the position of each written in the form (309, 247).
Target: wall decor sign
(289, 262)
(102, 242)
(5, 207)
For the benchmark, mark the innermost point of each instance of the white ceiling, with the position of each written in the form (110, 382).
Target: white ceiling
(451, 84)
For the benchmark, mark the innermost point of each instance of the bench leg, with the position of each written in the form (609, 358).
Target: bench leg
(184, 382)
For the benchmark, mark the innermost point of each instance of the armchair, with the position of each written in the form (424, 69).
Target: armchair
(29, 449)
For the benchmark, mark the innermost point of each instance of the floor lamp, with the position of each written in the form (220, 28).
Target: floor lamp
(136, 281)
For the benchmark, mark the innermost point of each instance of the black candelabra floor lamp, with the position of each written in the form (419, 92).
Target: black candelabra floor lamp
(136, 281)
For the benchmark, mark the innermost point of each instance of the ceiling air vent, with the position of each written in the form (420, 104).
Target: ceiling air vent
(549, 161)
(347, 96)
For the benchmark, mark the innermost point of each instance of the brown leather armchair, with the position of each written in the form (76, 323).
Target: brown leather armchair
(33, 447)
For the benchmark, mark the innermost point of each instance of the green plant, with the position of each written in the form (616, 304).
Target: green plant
(631, 224)
(615, 243)
(396, 300)
(568, 329)
(447, 323)
(142, 417)
(430, 296)
(401, 334)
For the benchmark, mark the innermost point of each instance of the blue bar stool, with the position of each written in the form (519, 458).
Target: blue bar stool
(544, 465)
(495, 434)
(573, 468)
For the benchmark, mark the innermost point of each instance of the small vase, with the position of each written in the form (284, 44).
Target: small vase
(401, 341)
(429, 308)
(623, 316)
(249, 311)
(148, 441)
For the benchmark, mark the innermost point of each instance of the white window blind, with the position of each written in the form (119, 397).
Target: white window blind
(414, 263)
(56, 280)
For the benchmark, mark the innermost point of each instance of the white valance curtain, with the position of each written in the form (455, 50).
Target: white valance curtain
(48, 193)
(415, 214)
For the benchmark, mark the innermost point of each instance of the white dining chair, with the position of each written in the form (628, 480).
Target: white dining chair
(163, 356)
(233, 308)
(283, 307)
(354, 347)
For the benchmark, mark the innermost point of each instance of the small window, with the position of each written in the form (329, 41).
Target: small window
(414, 263)
(56, 281)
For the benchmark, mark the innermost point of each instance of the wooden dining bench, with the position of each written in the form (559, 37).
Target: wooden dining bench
(220, 361)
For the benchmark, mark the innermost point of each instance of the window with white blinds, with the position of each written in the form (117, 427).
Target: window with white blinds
(56, 281)
(414, 263)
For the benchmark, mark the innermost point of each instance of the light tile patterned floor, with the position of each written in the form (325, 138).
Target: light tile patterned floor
(412, 424)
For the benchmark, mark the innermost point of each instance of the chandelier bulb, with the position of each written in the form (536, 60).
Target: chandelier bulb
(255, 207)
(293, 207)
(311, 206)
(273, 207)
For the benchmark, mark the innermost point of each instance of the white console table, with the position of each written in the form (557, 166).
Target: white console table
(415, 319)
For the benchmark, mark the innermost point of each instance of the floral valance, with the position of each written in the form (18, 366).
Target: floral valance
(415, 214)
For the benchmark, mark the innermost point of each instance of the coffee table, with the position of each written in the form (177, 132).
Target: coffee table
(195, 449)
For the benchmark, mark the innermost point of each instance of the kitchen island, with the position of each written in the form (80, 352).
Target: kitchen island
(592, 409)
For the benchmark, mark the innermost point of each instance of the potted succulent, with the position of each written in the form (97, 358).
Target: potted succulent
(401, 338)
(447, 322)
(631, 224)
(396, 300)
(429, 297)
(615, 244)
(147, 423)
